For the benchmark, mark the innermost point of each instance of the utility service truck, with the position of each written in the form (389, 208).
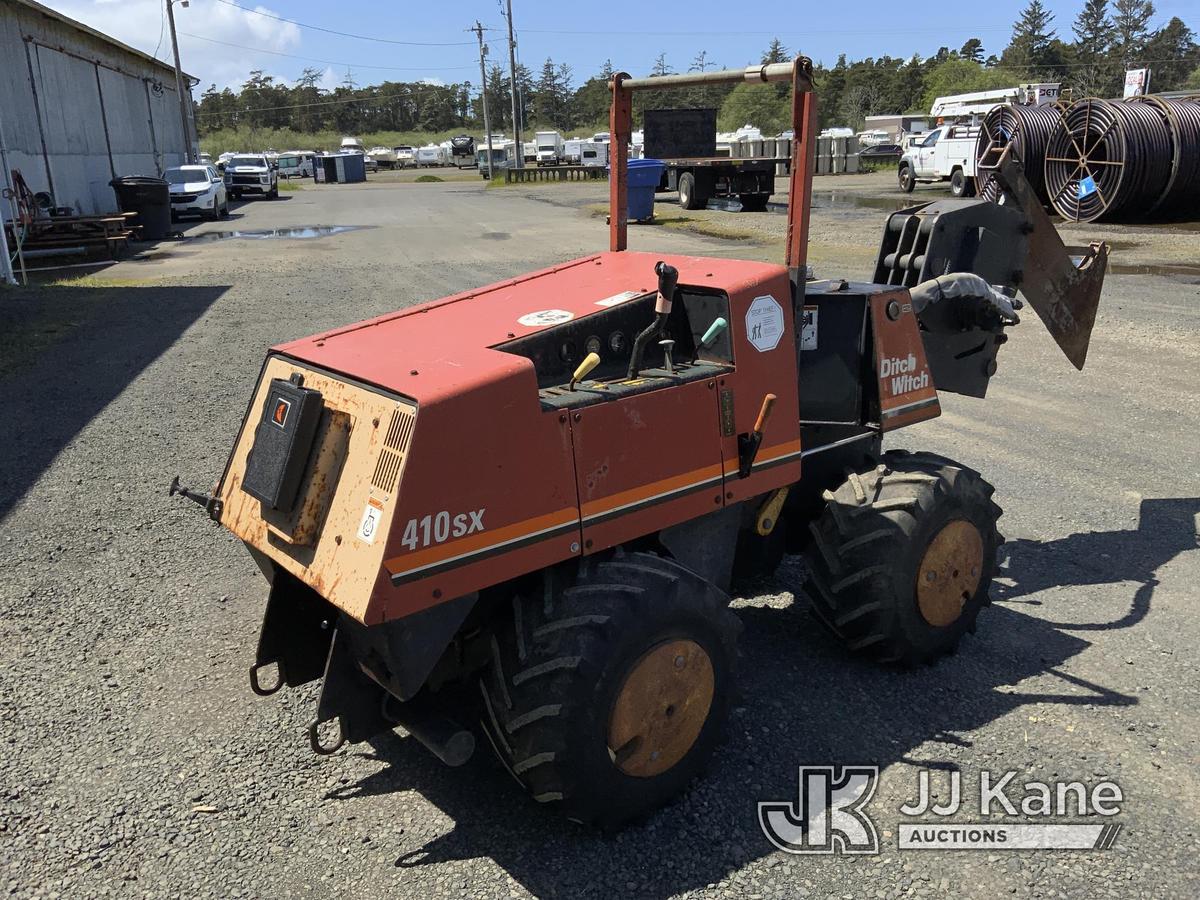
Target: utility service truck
(946, 154)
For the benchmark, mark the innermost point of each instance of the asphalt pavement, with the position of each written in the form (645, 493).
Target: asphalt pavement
(137, 762)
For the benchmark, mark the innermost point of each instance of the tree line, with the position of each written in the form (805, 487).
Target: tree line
(1106, 38)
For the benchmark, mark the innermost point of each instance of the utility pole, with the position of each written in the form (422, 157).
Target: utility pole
(487, 125)
(183, 113)
(512, 83)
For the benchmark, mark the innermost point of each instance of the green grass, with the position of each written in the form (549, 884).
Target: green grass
(428, 179)
(290, 185)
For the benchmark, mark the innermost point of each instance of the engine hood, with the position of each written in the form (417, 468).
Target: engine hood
(437, 350)
(190, 187)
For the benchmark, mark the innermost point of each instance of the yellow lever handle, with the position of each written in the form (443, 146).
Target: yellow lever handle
(589, 362)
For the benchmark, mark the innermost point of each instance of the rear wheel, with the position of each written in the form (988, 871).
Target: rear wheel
(688, 195)
(606, 697)
(961, 185)
(903, 557)
(907, 179)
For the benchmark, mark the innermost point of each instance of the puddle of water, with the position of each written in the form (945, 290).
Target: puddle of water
(299, 232)
(1167, 270)
(850, 200)
(496, 235)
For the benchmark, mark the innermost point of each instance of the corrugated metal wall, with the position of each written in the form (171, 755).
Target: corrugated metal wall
(78, 110)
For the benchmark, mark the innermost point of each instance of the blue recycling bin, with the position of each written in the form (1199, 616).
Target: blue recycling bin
(644, 176)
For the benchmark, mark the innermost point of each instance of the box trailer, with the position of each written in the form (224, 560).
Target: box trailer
(686, 141)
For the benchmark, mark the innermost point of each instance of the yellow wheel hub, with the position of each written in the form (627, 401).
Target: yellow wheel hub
(950, 572)
(661, 708)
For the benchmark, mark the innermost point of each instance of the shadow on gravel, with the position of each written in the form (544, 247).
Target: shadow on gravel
(807, 702)
(1166, 527)
(66, 353)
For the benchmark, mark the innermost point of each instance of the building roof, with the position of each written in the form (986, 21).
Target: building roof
(108, 39)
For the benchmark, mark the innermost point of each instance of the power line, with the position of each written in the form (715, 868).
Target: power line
(806, 33)
(327, 62)
(359, 37)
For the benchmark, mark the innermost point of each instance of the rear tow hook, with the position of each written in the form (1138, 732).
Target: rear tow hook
(212, 505)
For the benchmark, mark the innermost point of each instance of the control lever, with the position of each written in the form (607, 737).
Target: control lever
(710, 336)
(748, 444)
(668, 278)
(584, 368)
(668, 345)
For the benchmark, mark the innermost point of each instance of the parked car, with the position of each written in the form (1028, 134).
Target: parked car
(198, 190)
(251, 174)
(881, 152)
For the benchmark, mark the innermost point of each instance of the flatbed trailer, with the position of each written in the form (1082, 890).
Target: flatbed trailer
(686, 141)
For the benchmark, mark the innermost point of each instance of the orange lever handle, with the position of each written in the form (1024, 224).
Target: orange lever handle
(768, 405)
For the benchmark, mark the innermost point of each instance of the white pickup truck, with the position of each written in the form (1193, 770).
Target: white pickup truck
(946, 154)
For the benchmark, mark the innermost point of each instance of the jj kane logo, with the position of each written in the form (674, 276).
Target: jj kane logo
(829, 814)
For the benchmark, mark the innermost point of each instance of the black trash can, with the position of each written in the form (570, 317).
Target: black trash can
(150, 198)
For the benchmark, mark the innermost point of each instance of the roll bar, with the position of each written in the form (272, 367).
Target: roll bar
(804, 125)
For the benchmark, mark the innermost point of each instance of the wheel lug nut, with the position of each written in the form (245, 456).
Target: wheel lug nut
(680, 662)
(929, 576)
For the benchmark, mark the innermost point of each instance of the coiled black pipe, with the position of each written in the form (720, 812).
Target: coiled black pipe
(1182, 193)
(1109, 160)
(1027, 130)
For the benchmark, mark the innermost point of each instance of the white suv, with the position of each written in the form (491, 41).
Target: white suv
(251, 175)
(197, 189)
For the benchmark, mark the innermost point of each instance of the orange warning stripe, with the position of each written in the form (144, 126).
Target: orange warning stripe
(643, 492)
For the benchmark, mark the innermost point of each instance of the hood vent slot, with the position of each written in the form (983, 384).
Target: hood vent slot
(395, 446)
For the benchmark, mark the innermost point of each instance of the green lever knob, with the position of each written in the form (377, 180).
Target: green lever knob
(719, 324)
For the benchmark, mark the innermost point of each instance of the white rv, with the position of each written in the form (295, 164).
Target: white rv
(432, 155)
(593, 154)
(571, 150)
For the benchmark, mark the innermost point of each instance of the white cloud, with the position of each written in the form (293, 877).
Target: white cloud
(140, 23)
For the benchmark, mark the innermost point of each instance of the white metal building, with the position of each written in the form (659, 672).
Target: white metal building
(78, 108)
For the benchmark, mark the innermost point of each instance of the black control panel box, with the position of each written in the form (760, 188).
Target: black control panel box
(282, 443)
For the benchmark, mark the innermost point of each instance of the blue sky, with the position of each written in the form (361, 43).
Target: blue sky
(220, 43)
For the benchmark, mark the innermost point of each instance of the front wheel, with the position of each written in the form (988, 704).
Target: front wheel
(907, 179)
(903, 557)
(606, 697)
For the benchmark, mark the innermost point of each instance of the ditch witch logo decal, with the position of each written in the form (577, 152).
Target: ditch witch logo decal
(830, 814)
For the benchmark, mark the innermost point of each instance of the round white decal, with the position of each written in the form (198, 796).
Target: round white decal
(764, 323)
(545, 317)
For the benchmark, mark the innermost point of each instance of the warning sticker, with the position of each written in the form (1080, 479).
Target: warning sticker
(808, 330)
(618, 298)
(370, 523)
(545, 317)
(764, 323)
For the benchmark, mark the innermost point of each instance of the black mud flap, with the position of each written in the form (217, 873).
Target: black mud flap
(296, 631)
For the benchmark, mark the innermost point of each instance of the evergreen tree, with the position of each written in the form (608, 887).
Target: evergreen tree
(1032, 45)
(776, 53)
(973, 50)
(661, 67)
(1131, 29)
(1093, 39)
(1175, 55)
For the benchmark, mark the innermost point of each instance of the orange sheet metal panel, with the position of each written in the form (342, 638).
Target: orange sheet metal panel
(764, 356)
(488, 494)
(646, 462)
(906, 391)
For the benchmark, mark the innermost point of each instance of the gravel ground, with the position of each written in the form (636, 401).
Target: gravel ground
(137, 762)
